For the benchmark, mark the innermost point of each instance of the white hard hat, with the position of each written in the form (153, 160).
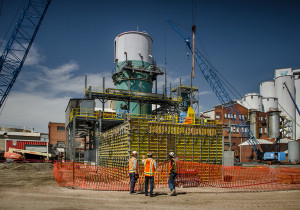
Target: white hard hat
(134, 152)
(171, 154)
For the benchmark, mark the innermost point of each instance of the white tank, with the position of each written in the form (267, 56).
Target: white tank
(283, 72)
(269, 103)
(133, 45)
(267, 89)
(297, 89)
(252, 101)
(294, 151)
(285, 103)
(273, 124)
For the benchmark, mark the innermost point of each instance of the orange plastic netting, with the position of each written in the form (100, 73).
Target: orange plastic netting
(190, 174)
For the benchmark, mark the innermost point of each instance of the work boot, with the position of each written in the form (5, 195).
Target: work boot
(146, 194)
(134, 193)
(152, 195)
(173, 193)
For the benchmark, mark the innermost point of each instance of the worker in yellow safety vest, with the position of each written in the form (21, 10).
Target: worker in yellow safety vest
(172, 173)
(149, 170)
(133, 172)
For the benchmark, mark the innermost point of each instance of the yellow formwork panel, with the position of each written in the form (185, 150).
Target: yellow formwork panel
(201, 143)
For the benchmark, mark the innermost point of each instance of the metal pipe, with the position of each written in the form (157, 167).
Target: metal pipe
(229, 135)
(103, 104)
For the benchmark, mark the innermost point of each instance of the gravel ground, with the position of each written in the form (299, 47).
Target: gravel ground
(32, 186)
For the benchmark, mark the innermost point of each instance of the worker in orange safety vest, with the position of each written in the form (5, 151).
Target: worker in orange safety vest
(133, 172)
(172, 173)
(149, 171)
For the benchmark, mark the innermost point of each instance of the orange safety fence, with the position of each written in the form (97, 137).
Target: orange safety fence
(190, 174)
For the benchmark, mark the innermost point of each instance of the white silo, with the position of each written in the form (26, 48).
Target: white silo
(267, 89)
(269, 103)
(283, 72)
(285, 103)
(252, 101)
(297, 89)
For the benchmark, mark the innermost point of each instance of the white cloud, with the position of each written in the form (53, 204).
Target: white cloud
(45, 93)
(32, 110)
(33, 57)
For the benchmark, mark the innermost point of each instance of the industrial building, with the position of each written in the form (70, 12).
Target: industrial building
(271, 115)
(138, 118)
(57, 138)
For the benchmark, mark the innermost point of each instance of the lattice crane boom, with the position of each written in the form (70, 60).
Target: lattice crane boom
(19, 43)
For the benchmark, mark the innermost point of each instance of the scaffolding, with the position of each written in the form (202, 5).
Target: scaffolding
(197, 142)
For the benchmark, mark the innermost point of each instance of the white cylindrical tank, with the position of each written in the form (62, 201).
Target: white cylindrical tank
(273, 124)
(269, 103)
(294, 151)
(252, 101)
(253, 116)
(267, 89)
(283, 72)
(297, 89)
(133, 46)
(285, 103)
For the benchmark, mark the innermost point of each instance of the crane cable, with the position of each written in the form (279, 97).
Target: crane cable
(1, 5)
(12, 22)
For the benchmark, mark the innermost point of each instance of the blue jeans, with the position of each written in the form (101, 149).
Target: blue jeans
(132, 182)
(147, 178)
(171, 181)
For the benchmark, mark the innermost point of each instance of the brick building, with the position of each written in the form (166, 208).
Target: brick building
(219, 113)
(247, 154)
(57, 134)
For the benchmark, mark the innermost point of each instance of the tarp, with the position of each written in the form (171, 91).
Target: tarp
(263, 141)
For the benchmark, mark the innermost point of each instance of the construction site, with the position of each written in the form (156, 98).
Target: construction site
(249, 146)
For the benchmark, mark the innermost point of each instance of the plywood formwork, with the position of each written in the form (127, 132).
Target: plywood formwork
(202, 143)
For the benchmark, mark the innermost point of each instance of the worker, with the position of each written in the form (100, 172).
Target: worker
(133, 172)
(149, 170)
(172, 173)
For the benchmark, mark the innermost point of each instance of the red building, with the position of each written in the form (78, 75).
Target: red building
(57, 134)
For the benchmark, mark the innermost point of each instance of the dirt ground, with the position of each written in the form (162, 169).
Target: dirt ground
(32, 186)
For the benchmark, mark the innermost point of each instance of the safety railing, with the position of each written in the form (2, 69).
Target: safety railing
(83, 113)
(166, 118)
(132, 93)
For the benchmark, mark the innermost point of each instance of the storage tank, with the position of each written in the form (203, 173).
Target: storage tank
(283, 72)
(294, 151)
(252, 101)
(269, 103)
(297, 89)
(134, 69)
(267, 89)
(285, 103)
(134, 46)
(253, 118)
(273, 122)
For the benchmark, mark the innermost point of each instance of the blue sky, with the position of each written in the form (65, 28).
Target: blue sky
(245, 40)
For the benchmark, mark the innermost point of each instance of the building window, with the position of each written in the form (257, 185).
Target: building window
(60, 144)
(260, 130)
(218, 116)
(266, 130)
(60, 128)
(225, 115)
